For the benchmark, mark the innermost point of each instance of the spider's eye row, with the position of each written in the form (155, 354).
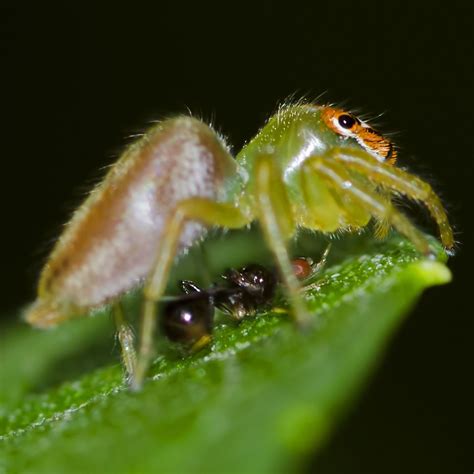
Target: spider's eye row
(346, 121)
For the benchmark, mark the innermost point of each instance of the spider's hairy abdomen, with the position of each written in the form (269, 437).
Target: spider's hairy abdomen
(107, 247)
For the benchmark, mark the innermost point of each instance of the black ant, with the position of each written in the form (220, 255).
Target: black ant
(189, 318)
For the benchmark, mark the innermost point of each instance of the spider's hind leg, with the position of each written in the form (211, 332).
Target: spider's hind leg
(198, 209)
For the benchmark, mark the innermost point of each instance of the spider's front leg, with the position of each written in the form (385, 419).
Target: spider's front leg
(278, 225)
(204, 210)
(337, 178)
(399, 181)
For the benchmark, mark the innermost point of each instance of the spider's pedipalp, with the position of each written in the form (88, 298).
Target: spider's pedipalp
(400, 181)
(342, 182)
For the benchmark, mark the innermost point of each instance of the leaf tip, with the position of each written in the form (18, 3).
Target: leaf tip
(432, 272)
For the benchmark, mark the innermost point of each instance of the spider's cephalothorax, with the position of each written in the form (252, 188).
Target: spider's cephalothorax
(310, 166)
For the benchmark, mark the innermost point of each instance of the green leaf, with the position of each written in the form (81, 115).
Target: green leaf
(260, 399)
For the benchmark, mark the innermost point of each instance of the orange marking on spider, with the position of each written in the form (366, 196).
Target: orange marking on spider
(347, 124)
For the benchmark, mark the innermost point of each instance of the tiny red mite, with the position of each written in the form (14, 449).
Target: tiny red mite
(302, 267)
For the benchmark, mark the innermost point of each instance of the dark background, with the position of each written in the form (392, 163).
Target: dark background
(77, 82)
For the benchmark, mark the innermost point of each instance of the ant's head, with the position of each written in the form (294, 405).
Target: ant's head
(255, 280)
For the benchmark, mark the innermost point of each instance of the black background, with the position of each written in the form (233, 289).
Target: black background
(76, 82)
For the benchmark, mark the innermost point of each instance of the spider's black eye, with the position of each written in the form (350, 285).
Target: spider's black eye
(346, 121)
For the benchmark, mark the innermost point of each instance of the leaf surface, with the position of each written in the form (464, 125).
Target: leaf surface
(260, 398)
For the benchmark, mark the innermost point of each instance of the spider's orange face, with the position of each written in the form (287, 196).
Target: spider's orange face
(346, 124)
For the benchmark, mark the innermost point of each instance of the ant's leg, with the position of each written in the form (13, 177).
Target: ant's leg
(322, 261)
(337, 177)
(400, 181)
(126, 338)
(317, 268)
(198, 209)
(276, 219)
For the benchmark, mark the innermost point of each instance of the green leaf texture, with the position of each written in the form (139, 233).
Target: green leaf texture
(260, 399)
